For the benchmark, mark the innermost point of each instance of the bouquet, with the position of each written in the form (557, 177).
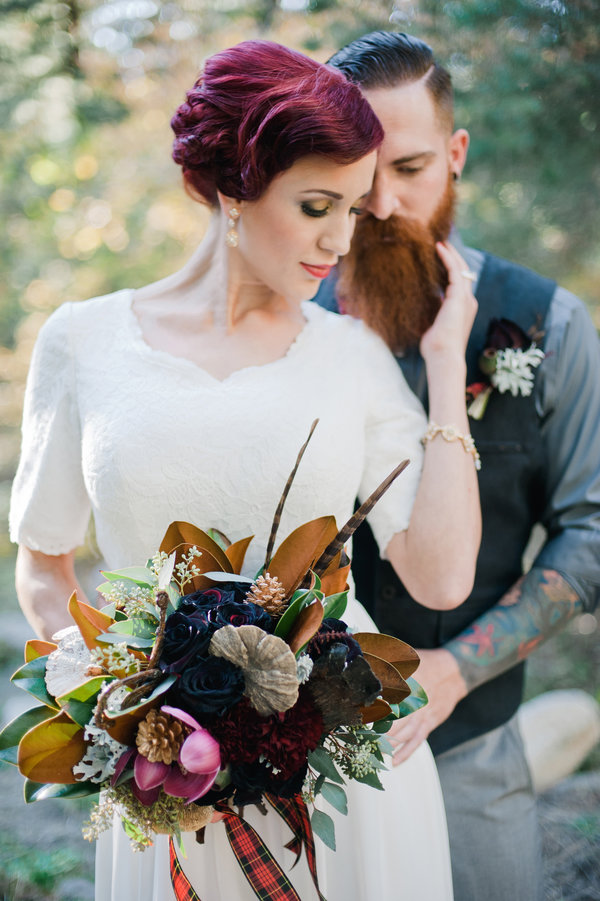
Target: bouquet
(196, 690)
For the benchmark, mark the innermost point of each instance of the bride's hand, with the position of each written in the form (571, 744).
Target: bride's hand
(451, 328)
(440, 676)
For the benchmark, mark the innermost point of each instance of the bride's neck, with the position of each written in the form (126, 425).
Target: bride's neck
(215, 282)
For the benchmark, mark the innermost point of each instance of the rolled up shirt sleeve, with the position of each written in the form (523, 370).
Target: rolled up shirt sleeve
(568, 403)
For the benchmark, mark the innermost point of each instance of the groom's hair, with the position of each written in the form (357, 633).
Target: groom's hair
(259, 107)
(386, 59)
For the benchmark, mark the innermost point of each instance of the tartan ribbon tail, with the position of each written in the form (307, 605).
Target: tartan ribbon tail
(183, 888)
(264, 875)
(294, 812)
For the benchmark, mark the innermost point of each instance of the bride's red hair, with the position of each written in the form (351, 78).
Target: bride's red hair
(259, 107)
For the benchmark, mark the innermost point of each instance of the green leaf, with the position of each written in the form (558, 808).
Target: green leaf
(136, 626)
(133, 831)
(320, 761)
(228, 577)
(80, 702)
(416, 699)
(385, 746)
(132, 641)
(30, 677)
(160, 689)
(142, 576)
(319, 783)
(322, 825)
(371, 779)
(41, 791)
(284, 626)
(14, 731)
(335, 605)
(336, 796)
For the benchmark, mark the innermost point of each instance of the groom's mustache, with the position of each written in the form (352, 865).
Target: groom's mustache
(392, 277)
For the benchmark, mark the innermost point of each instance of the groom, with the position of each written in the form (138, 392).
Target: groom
(541, 463)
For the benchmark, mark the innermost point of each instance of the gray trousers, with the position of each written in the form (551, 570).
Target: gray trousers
(492, 820)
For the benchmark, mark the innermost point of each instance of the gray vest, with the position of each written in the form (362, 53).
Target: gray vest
(512, 490)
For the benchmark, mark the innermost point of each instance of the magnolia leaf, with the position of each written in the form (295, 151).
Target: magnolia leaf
(375, 711)
(35, 647)
(14, 731)
(400, 654)
(31, 677)
(334, 606)
(41, 791)
(287, 620)
(219, 537)
(305, 626)
(336, 796)
(181, 536)
(323, 827)
(236, 553)
(141, 575)
(81, 701)
(320, 761)
(91, 622)
(393, 687)
(50, 750)
(166, 573)
(299, 551)
(123, 726)
(417, 698)
(132, 641)
(228, 577)
(335, 577)
(134, 626)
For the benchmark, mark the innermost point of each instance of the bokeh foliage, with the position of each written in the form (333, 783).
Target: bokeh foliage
(92, 202)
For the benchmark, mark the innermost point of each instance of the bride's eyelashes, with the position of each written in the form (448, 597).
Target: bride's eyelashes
(316, 211)
(310, 209)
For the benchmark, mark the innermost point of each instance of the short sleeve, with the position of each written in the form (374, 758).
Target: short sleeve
(395, 424)
(50, 508)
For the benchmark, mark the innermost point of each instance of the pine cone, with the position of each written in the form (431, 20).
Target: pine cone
(159, 737)
(268, 592)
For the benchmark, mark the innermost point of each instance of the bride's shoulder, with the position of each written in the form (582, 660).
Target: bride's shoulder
(75, 318)
(346, 332)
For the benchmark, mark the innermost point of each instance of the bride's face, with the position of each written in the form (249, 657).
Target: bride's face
(295, 233)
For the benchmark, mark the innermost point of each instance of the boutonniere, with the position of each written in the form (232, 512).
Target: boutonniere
(506, 364)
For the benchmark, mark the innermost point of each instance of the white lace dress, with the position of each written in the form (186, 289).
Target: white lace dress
(139, 438)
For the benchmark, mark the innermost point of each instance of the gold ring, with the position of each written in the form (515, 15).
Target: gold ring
(468, 273)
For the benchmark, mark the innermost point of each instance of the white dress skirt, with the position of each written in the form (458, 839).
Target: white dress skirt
(138, 438)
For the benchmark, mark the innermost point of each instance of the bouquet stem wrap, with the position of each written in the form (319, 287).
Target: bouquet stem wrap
(263, 873)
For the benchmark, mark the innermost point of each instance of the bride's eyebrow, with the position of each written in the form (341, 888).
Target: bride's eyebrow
(331, 194)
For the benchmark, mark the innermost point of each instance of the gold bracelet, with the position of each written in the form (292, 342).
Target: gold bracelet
(451, 433)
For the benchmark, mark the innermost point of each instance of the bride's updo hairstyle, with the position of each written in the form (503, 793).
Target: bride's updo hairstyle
(259, 107)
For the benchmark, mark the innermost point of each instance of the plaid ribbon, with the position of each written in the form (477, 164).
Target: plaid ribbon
(182, 886)
(263, 873)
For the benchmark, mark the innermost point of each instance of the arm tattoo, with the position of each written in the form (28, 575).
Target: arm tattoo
(534, 609)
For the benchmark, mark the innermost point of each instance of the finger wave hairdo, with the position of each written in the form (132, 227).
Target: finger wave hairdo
(256, 109)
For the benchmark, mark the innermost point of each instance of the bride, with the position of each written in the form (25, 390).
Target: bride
(189, 400)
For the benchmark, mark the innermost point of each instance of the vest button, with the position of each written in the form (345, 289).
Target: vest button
(388, 593)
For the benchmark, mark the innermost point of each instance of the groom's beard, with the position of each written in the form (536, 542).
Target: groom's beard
(393, 278)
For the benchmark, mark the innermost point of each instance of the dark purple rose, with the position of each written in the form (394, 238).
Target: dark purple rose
(232, 613)
(186, 637)
(503, 333)
(208, 687)
(225, 606)
(212, 597)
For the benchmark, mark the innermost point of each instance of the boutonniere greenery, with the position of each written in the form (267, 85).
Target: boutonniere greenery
(506, 364)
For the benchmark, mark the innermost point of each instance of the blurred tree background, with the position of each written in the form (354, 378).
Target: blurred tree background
(91, 200)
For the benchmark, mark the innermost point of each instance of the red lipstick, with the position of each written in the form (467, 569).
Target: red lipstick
(317, 271)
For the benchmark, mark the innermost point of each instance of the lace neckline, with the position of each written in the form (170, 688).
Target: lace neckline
(309, 310)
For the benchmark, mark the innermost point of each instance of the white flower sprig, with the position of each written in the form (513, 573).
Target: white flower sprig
(514, 370)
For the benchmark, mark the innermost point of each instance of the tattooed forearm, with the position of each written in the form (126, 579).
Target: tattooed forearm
(534, 609)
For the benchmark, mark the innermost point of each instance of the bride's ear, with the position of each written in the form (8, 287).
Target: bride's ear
(226, 204)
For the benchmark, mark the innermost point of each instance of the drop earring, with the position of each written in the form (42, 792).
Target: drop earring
(456, 176)
(231, 237)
